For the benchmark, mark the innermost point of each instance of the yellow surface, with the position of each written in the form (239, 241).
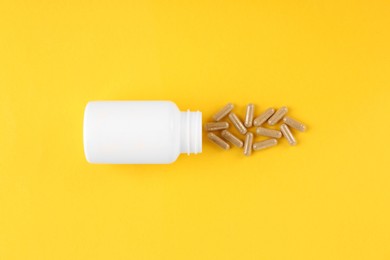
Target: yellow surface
(327, 198)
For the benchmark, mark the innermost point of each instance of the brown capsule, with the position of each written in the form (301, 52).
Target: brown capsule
(268, 132)
(232, 138)
(237, 123)
(261, 119)
(218, 141)
(278, 115)
(287, 134)
(215, 126)
(250, 110)
(264, 144)
(223, 112)
(294, 123)
(248, 144)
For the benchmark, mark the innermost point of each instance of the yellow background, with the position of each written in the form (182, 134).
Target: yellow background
(327, 198)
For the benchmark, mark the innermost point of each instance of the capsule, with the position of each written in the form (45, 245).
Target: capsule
(250, 110)
(248, 144)
(215, 126)
(261, 119)
(223, 112)
(278, 115)
(232, 138)
(287, 134)
(237, 123)
(294, 123)
(268, 132)
(264, 144)
(218, 141)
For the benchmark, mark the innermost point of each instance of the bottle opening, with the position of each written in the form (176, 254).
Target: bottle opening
(191, 132)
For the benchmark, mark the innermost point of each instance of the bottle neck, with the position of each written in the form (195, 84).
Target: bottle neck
(190, 132)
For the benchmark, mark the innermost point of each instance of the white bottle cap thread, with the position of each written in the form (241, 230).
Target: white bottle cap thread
(191, 132)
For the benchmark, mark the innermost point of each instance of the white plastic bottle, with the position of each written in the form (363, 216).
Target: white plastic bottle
(139, 132)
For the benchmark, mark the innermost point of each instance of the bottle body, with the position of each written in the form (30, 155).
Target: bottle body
(139, 132)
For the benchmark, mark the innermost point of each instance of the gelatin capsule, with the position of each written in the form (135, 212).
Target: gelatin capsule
(264, 144)
(232, 138)
(237, 123)
(261, 119)
(223, 112)
(215, 126)
(218, 141)
(278, 115)
(248, 144)
(250, 110)
(294, 123)
(287, 134)
(268, 132)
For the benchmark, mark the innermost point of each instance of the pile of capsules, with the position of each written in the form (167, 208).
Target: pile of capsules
(269, 116)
